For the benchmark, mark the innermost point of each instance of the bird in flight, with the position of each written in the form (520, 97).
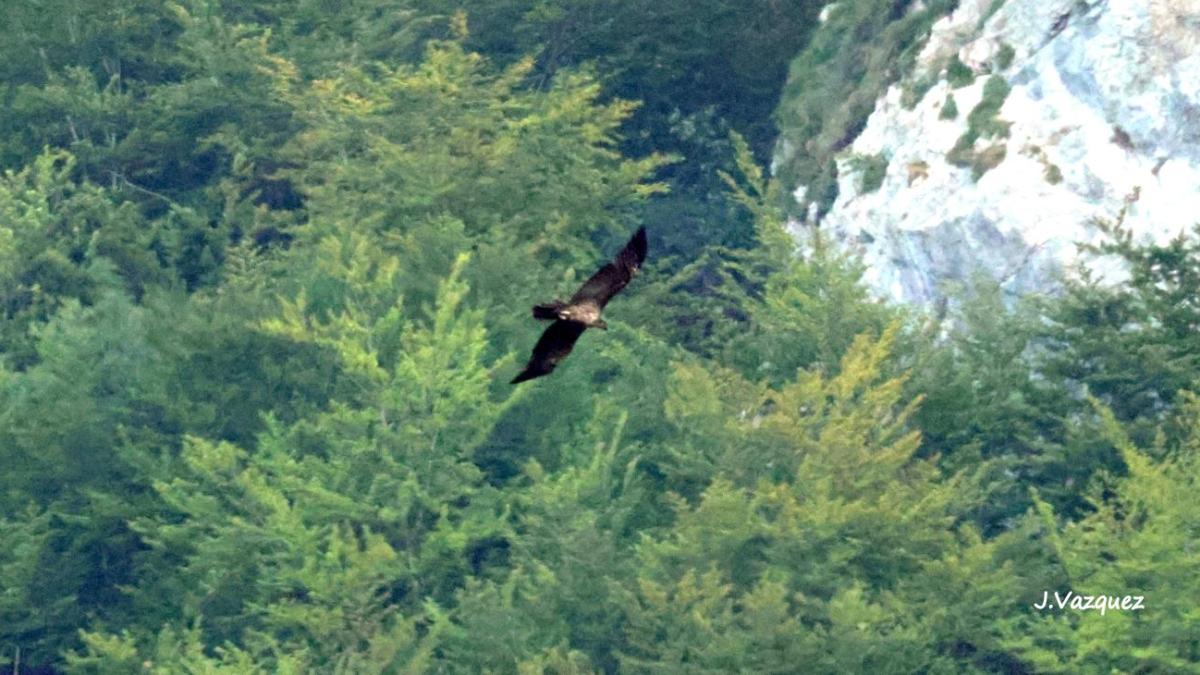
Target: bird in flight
(583, 310)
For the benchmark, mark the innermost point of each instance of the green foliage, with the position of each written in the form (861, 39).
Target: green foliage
(106, 342)
(674, 55)
(686, 61)
(983, 122)
(949, 109)
(1132, 346)
(265, 270)
(1053, 174)
(915, 89)
(705, 305)
(804, 310)
(60, 242)
(1005, 56)
(90, 418)
(988, 413)
(816, 540)
(861, 49)
(331, 528)
(449, 138)
(1134, 544)
(871, 169)
(959, 74)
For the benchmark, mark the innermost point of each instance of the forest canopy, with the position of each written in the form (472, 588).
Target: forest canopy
(265, 273)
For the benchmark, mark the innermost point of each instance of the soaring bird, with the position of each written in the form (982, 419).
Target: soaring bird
(583, 310)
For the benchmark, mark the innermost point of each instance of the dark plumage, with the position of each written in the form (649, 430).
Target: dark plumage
(556, 343)
(583, 310)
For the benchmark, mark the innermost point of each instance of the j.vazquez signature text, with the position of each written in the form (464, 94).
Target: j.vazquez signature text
(1100, 603)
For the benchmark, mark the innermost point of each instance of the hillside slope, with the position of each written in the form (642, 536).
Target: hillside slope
(1021, 125)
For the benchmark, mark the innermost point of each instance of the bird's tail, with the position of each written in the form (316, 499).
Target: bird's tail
(548, 311)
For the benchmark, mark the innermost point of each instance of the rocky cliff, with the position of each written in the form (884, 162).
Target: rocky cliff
(1023, 123)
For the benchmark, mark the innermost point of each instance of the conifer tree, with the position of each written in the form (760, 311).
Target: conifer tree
(1137, 542)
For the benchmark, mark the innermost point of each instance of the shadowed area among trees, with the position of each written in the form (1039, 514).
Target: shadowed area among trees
(266, 271)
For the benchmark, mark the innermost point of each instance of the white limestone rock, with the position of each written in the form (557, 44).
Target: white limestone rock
(1105, 125)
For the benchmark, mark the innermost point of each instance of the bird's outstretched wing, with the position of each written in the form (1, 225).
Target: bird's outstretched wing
(554, 346)
(615, 275)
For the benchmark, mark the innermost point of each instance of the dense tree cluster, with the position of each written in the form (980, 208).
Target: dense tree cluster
(265, 272)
